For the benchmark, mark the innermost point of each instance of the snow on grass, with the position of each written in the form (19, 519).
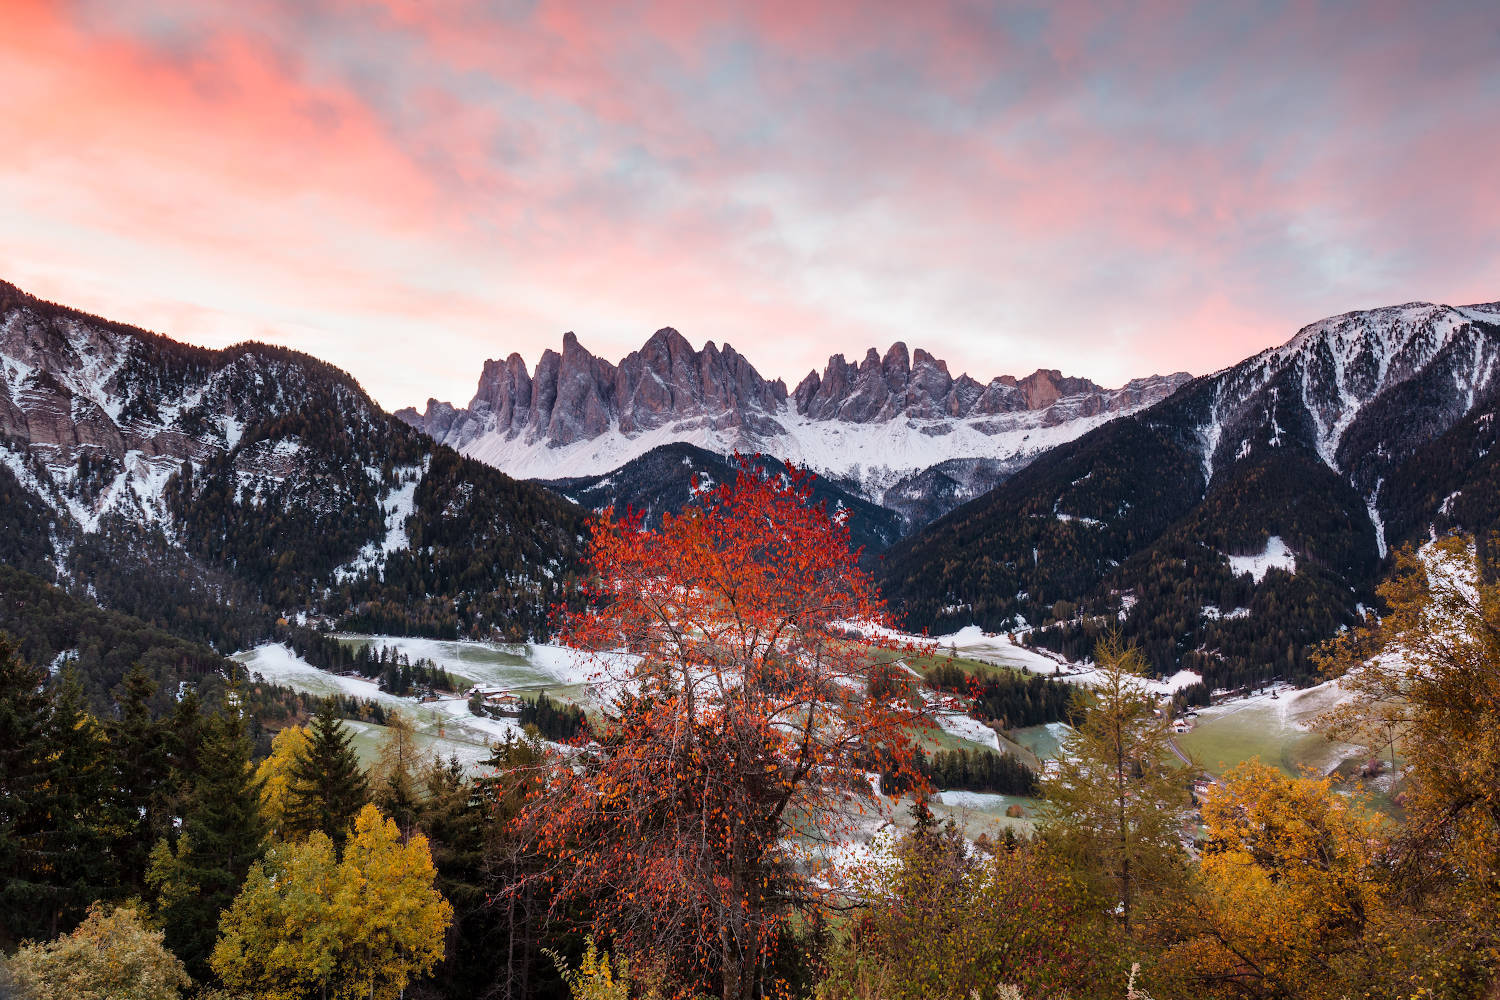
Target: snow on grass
(983, 801)
(966, 728)
(1275, 556)
(993, 648)
(446, 725)
(493, 664)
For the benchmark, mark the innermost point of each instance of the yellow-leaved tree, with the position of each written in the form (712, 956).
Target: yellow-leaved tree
(110, 956)
(275, 776)
(1291, 891)
(306, 924)
(1424, 681)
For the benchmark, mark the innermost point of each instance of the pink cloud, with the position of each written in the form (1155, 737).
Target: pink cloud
(1149, 188)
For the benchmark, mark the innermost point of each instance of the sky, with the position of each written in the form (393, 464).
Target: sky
(408, 187)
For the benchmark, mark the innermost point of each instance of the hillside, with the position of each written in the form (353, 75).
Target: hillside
(210, 492)
(662, 481)
(1362, 432)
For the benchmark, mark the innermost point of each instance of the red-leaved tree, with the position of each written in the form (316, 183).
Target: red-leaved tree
(736, 646)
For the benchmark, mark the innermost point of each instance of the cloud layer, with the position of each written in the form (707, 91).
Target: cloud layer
(406, 188)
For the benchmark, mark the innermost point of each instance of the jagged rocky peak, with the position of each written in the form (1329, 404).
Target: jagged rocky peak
(575, 396)
(872, 420)
(920, 386)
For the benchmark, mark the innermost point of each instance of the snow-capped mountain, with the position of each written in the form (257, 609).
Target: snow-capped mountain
(1364, 431)
(874, 424)
(97, 417)
(161, 478)
(1364, 390)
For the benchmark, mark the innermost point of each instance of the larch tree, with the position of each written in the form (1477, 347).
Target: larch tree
(1424, 681)
(396, 777)
(1117, 799)
(1287, 895)
(274, 775)
(735, 645)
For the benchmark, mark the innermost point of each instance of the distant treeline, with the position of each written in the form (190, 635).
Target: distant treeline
(392, 669)
(1008, 697)
(966, 770)
(555, 720)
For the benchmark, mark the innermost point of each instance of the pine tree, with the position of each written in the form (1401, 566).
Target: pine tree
(24, 713)
(222, 836)
(75, 851)
(141, 777)
(327, 787)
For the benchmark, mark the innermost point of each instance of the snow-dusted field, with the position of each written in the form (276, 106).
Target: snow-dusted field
(444, 727)
(526, 666)
(998, 650)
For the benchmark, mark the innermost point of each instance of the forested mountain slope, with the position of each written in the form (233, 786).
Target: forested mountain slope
(210, 492)
(1242, 518)
(662, 481)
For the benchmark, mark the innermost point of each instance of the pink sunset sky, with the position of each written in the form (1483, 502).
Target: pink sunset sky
(405, 188)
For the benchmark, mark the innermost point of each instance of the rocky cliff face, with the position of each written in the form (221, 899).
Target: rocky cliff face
(919, 386)
(876, 422)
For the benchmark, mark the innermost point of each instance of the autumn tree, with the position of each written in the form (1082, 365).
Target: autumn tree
(396, 777)
(1116, 801)
(111, 955)
(734, 646)
(1289, 899)
(274, 775)
(308, 924)
(1424, 686)
(947, 922)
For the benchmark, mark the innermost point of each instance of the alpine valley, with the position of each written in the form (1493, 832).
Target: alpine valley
(1227, 523)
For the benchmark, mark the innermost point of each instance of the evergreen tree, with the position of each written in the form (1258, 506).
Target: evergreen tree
(222, 836)
(327, 786)
(23, 814)
(75, 857)
(141, 775)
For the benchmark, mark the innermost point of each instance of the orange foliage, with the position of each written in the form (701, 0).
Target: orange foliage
(740, 734)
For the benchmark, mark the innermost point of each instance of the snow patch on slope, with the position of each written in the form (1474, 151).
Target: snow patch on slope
(1275, 556)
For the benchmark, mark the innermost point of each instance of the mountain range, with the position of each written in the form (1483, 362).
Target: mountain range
(212, 491)
(1226, 523)
(1247, 516)
(877, 425)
